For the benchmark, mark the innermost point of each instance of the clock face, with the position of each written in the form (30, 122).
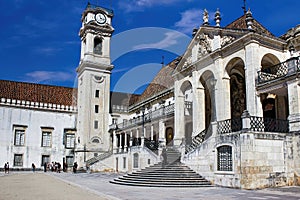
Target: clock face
(100, 18)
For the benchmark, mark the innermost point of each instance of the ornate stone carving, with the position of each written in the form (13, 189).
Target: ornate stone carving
(187, 62)
(204, 45)
(226, 40)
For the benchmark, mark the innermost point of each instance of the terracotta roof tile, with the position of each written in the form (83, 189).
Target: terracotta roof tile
(240, 23)
(162, 81)
(38, 93)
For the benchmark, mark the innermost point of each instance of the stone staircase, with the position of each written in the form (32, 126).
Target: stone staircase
(98, 158)
(173, 174)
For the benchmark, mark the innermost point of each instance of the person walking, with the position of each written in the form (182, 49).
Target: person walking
(33, 167)
(45, 167)
(5, 168)
(75, 167)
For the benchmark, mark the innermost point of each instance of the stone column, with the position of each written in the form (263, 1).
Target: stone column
(152, 131)
(252, 65)
(198, 106)
(161, 131)
(143, 136)
(120, 147)
(179, 119)
(294, 105)
(125, 142)
(223, 99)
(130, 141)
(115, 143)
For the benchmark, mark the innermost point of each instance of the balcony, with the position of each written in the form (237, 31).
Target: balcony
(280, 71)
(165, 111)
(257, 124)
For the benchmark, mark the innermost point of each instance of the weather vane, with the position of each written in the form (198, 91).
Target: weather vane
(244, 7)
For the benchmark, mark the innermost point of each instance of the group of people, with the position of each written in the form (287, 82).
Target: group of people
(6, 167)
(53, 167)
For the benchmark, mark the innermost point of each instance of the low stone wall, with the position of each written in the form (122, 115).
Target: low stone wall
(259, 160)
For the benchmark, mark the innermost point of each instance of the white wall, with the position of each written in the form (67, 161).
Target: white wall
(33, 120)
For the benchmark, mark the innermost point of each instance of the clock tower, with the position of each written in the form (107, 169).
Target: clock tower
(94, 84)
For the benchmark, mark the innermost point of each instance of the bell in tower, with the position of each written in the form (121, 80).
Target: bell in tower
(94, 84)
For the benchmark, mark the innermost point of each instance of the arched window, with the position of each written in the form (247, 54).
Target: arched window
(135, 160)
(98, 46)
(224, 157)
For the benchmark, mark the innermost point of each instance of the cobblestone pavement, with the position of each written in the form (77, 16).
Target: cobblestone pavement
(99, 184)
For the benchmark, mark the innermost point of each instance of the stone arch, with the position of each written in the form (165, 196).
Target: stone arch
(236, 72)
(96, 140)
(208, 81)
(267, 62)
(186, 90)
(275, 102)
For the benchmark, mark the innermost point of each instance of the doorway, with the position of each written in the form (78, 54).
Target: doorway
(169, 136)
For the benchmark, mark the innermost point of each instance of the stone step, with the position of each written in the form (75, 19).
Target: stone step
(165, 175)
(175, 175)
(162, 184)
(163, 180)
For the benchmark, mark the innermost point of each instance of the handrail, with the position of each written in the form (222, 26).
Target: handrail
(148, 117)
(196, 141)
(289, 67)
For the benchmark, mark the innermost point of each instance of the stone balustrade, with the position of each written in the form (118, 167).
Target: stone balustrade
(37, 105)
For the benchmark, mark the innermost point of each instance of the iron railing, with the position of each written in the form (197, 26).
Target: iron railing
(196, 141)
(148, 117)
(259, 124)
(229, 125)
(287, 68)
(151, 144)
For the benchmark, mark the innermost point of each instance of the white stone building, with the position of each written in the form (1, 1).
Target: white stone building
(230, 104)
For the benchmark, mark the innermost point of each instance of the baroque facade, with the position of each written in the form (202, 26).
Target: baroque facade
(230, 105)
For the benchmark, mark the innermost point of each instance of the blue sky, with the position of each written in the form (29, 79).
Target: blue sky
(39, 39)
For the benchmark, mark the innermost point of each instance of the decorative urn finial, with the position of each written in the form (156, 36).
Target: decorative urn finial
(218, 18)
(205, 17)
(249, 19)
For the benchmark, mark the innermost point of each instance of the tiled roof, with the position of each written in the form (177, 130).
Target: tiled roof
(38, 93)
(162, 81)
(120, 98)
(240, 23)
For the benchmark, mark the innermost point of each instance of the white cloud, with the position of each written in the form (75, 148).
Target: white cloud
(48, 51)
(190, 19)
(140, 5)
(170, 40)
(52, 76)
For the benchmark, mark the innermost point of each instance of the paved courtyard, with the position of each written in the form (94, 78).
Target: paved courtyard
(96, 186)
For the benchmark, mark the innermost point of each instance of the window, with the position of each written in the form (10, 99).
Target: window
(135, 160)
(96, 108)
(97, 94)
(224, 158)
(124, 162)
(70, 160)
(19, 137)
(95, 124)
(70, 140)
(18, 160)
(46, 138)
(98, 46)
(45, 159)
